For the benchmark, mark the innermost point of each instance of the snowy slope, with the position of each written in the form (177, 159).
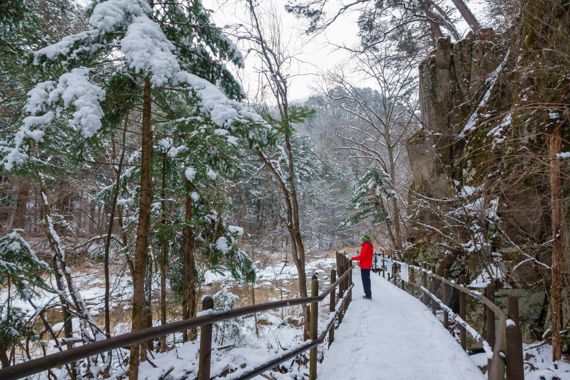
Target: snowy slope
(394, 336)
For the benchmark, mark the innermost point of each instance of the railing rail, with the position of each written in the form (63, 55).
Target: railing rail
(506, 343)
(103, 346)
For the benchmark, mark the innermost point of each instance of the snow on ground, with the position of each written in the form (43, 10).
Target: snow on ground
(277, 272)
(91, 287)
(234, 356)
(393, 336)
(539, 365)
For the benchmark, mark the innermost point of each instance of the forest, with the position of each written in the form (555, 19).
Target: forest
(155, 152)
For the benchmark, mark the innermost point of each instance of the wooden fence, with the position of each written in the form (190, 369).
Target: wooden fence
(502, 342)
(339, 302)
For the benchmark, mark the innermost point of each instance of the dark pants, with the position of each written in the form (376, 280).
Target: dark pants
(365, 273)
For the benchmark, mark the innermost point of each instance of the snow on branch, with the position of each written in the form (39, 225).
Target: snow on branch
(147, 48)
(74, 89)
(108, 16)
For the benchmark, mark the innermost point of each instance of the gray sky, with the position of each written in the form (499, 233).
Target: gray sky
(315, 54)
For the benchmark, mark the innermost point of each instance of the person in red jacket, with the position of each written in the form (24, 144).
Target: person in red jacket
(365, 264)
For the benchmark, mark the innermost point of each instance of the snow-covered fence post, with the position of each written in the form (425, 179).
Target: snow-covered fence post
(345, 269)
(411, 278)
(462, 313)
(515, 364)
(446, 295)
(433, 285)
(395, 269)
(340, 271)
(205, 343)
(332, 305)
(425, 297)
(349, 283)
(490, 315)
(314, 327)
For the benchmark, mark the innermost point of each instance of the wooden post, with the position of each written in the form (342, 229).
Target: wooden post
(412, 279)
(348, 268)
(462, 313)
(341, 290)
(314, 328)
(397, 267)
(332, 306)
(433, 288)
(349, 283)
(490, 321)
(341, 272)
(205, 343)
(446, 301)
(490, 315)
(345, 269)
(515, 364)
(425, 297)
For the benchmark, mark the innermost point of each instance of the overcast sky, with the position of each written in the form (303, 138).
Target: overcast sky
(315, 54)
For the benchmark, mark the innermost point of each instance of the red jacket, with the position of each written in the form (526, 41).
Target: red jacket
(365, 257)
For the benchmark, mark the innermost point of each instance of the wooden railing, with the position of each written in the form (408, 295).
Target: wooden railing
(338, 305)
(502, 343)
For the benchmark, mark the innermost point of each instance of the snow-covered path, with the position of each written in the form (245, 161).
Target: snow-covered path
(393, 336)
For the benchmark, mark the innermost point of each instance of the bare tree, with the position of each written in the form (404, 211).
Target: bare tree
(385, 119)
(380, 19)
(266, 41)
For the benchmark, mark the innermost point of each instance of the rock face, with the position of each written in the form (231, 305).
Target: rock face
(450, 78)
(513, 91)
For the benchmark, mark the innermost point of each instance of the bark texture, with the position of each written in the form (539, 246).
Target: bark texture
(141, 259)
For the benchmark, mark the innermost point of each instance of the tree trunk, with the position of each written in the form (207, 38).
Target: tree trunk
(434, 27)
(163, 253)
(555, 142)
(148, 345)
(296, 225)
(297, 238)
(467, 14)
(109, 236)
(188, 278)
(4, 360)
(140, 264)
(19, 218)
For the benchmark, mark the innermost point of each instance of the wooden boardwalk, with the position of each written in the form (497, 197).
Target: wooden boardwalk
(393, 336)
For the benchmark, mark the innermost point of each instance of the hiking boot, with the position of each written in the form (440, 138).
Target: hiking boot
(367, 297)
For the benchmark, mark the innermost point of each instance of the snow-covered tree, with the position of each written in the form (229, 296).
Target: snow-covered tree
(370, 200)
(20, 274)
(133, 53)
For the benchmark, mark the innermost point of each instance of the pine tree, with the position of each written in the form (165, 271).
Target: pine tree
(153, 51)
(20, 274)
(370, 198)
